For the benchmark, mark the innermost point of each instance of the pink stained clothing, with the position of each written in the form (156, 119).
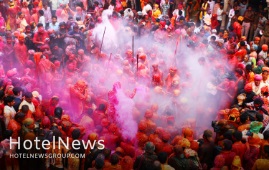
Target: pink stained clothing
(215, 8)
(9, 113)
(21, 53)
(26, 12)
(47, 15)
(21, 23)
(12, 12)
(2, 22)
(239, 148)
(160, 35)
(34, 18)
(170, 80)
(45, 68)
(229, 157)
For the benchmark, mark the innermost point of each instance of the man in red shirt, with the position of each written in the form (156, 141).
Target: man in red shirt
(227, 152)
(238, 147)
(237, 27)
(41, 37)
(21, 51)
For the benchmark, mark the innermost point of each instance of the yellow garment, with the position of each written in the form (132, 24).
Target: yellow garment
(124, 4)
(251, 77)
(203, 13)
(8, 28)
(142, 3)
(173, 21)
(40, 5)
(73, 162)
(156, 13)
(167, 167)
(261, 164)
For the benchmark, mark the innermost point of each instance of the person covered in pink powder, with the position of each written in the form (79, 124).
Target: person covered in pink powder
(79, 94)
(2, 20)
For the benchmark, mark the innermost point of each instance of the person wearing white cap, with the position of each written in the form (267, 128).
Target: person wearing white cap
(213, 33)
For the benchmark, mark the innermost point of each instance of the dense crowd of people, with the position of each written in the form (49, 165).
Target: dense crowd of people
(146, 77)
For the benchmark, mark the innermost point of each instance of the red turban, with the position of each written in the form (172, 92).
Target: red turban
(45, 122)
(257, 77)
(187, 132)
(142, 56)
(248, 88)
(264, 47)
(265, 68)
(93, 136)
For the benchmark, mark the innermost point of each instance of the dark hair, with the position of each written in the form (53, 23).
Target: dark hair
(19, 115)
(228, 135)
(107, 153)
(58, 111)
(242, 43)
(239, 71)
(54, 16)
(258, 101)
(28, 94)
(266, 135)
(102, 107)
(89, 111)
(39, 25)
(180, 12)
(2, 94)
(57, 134)
(16, 90)
(259, 117)
(243, 117)
(41, 12)
(238, 135)
(8, 99)
(114, 159)
(249, 67)
(76, 133)
(24, 108)
(265, 71)
(99, 161)
(227, 144)
(7, 134)
(266, 149)
(213, 38)
(78, 18)
(162, 157)
(62, 24)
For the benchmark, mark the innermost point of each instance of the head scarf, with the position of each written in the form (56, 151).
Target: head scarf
(255, 126)
(257, 77)
(248, 88)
